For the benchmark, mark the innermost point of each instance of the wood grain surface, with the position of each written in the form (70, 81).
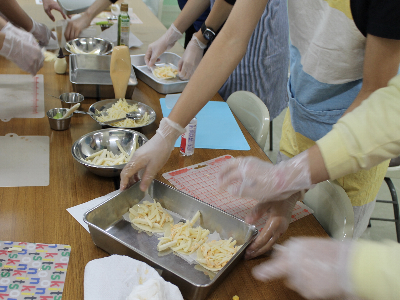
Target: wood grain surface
(39, 215)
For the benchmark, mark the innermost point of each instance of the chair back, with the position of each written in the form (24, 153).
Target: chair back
(252, 113)
(332, 208)
(394, 168)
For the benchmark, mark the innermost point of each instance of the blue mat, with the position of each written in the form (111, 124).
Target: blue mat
(216, 127)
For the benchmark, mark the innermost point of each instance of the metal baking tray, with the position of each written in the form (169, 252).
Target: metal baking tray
(111, 232)
(163, 86)
(90, 76)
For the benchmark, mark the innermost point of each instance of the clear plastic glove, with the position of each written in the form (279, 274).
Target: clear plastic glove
(164, 43)
(49, 5)
(42, 33)
(316, 268)
(152, 156)
(279, 214)
(21, 48)
(75, 27)
(191, 58)
(255, 178)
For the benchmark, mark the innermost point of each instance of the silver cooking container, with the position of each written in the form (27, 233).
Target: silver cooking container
(90, 76)
(115, 235)
(163, 86)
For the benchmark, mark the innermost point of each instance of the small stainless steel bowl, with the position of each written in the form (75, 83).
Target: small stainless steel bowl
(58, 124)
(70, 99)
(95, 141)
(101, 106)
(89, 45)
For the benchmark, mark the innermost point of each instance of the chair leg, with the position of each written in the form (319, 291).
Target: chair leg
(270, 136)
(395, 206)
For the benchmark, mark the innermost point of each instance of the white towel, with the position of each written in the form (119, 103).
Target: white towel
(120, 277)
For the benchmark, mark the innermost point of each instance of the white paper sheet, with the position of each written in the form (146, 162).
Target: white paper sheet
(79, 210)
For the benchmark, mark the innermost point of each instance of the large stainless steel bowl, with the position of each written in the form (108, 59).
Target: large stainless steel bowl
(101, 106)
(95, 141)
(89, 45)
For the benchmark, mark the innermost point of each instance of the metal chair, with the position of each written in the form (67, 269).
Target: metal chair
(392, 172)
(252, 113)
(332, 208)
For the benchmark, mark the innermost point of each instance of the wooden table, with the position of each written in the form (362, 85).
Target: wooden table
(39, 215)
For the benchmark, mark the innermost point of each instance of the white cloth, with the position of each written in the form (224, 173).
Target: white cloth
(120, 277)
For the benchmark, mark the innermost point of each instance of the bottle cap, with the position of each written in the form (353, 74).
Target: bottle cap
(124, 6)
(60, 53)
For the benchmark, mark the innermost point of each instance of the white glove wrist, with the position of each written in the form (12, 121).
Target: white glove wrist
(33, 26)
(173, 35)
(198, 43)
(170, 131)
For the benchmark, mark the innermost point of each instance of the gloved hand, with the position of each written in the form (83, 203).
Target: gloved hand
(152, 156)
(279, 214)
(164, 43)
(75, 27)
(42, 33)
(254, 178)
(316, 268)
(21, 48)
(191, 58)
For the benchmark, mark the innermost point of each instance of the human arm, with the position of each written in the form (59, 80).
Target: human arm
(229, 47)
(17, 16)
(75, 27)
(195, 48)
(325, 268)
(49, 5)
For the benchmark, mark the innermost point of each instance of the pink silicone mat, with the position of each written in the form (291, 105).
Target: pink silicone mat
(32, 271)
(200, 182)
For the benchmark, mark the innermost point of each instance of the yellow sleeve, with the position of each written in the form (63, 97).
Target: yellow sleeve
(375, 270)
(365, 137)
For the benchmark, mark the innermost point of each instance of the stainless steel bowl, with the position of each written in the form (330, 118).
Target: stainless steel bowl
(70, 99)
(89, 45)
(101, 106)
(95, 141)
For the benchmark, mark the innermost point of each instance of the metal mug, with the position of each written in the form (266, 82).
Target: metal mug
(70, 99)
(58, 124)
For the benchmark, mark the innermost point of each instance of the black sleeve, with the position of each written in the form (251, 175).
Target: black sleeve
(377, 17)
(113, 1)
(231, 2)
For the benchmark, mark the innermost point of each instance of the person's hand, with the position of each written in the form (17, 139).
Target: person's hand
(49, 5)
(21, 48)
(191, 58)
(316, 268)
(75, 27)
(42, 33)
(164, 43)
(279, 215)
(152, 156)
(255, 178)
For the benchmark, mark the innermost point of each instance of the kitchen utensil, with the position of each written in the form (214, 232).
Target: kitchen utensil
(90, 76)
(163, 86)
(120, 70)
(135, 115)
(70, 99)
(89, 45)
(95, 141)
(58, 124)
(25, 160)
(70, 111)
(115, 235)
(100, 107)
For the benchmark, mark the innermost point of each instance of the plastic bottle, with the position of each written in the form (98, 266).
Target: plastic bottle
(60, 65)
(124, 25)
(188, 138)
